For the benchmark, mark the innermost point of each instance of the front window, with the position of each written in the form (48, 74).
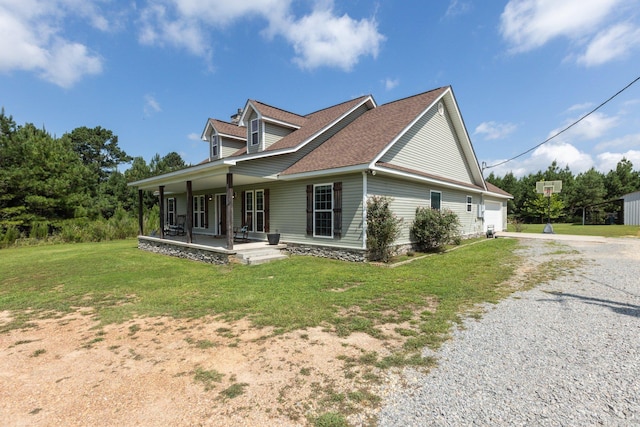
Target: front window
(171, 211)
(254, 204)
(199, 212)
(254, 132)
(469, 203)
(436, 198)
(214, 146)
(323, 210)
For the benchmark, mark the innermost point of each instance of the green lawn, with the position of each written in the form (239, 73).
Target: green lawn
(114, 281)
(583, 230)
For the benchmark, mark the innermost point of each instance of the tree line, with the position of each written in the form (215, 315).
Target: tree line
(49, 180)
(590, 195)
(46, 180)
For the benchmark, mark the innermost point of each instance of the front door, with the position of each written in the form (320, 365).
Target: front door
(221, 214)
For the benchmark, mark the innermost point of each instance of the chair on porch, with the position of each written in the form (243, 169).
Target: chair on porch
(178, 229)
(244, 231)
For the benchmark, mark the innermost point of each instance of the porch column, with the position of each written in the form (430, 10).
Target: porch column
(161, 197)
(140, 218)
(229, 211)
(189, 223)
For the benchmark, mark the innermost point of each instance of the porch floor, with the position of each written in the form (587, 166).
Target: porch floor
(220, 243)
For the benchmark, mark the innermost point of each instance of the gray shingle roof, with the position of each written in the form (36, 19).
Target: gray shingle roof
(366, 137)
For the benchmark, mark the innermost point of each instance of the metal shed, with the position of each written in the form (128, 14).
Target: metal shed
(632, 208)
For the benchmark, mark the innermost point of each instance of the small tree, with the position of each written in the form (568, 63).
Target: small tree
(544, 207)
(433, 229)
(383, 228)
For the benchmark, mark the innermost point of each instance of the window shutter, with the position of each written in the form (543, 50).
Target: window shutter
(266, 210)
(309, 210)
(337, 209)
(243, 209)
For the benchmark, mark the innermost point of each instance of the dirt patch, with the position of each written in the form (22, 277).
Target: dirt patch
(163, 371)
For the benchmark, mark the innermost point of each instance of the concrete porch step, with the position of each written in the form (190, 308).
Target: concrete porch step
(261, 255)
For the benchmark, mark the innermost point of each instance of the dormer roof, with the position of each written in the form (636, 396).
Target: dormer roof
(227, 129)
(272, 114)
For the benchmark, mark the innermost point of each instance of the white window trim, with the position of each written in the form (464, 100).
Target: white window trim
(431, 198)
(330, 210)
(248, 195)
(171, 211)
(469, 203)
(256, 132)
(215, 142)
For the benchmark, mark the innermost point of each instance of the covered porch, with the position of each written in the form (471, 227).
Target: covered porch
(201, 189)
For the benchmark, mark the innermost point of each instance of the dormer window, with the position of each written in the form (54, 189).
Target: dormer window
(214, 146)
(254, 132)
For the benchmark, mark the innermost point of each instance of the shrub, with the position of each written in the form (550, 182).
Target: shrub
(9, 236)
(383, 228)
(39, 230)
(433, 229)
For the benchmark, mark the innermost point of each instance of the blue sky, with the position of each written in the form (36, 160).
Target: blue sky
(153, 71)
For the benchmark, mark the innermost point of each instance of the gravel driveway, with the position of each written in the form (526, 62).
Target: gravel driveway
(566, 353)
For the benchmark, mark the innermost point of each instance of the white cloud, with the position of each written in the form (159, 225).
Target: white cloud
(580, 107)
(599, 31)
(324, 39)
(594, 126)
(390, 83)
(626, 141)
(320, 38)
(529, 24)
(492, 130)
(540, 159)
(457, 7)
(31, 40)
(613, 43)
(151, 105)
(194, 137)
(608, 161)
(158, 27)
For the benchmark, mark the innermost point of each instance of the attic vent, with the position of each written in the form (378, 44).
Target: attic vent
(440, 108)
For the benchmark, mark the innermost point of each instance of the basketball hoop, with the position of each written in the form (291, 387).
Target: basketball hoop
(547, 188)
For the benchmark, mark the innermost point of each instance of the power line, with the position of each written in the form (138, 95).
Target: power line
(484, 165)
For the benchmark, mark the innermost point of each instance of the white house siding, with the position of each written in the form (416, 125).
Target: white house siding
(632, 208)
(273, 133)
(431, 146)
(408, 195)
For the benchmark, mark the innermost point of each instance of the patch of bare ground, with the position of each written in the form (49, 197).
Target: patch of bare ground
(164, 371)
